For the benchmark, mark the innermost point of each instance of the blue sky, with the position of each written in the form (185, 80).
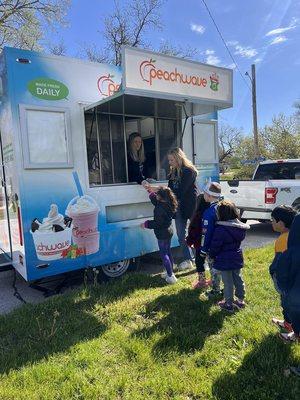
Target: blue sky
(264, 32)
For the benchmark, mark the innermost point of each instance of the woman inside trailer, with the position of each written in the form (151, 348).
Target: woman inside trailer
(137, 163)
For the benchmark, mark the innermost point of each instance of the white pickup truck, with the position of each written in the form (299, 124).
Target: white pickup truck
(274, 182)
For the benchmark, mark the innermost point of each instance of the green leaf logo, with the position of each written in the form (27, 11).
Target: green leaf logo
(48, 89)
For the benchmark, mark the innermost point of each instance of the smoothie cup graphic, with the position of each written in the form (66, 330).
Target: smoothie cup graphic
(84, 213)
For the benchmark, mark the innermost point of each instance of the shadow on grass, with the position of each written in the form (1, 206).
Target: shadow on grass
(261, 375)
(34, 332)
(187, 324)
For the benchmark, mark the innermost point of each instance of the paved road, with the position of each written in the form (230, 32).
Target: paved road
(258, 236)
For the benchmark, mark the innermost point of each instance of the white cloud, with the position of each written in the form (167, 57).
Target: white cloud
(258, 60)
(232, 43)
(247, 52)
(197, 28)
(278, 39)
(278, 31)
(231, 66)
(213, 60)
(209, 52)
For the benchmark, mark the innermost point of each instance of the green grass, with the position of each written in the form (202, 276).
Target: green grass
(139, 339)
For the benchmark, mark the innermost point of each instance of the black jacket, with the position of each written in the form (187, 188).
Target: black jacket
(137, 172)
(162, 221)
(184, 188)
(288, 267)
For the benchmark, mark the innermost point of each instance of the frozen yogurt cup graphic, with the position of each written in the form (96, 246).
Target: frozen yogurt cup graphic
(52, 236)
(84, 213)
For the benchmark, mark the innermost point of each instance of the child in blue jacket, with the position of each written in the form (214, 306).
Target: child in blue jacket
(225, 249)
(212, 195)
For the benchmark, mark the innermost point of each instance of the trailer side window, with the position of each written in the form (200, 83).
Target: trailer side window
(45, 135)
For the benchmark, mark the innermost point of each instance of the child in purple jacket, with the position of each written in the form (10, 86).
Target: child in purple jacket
(226, 251)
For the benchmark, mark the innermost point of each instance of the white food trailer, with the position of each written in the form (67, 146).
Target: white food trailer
(66, 202)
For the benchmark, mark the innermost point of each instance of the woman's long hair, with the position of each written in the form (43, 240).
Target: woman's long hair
(136, 155)
(168, 197)
(181, 160)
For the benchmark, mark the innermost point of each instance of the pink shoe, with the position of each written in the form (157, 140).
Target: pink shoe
(200, 284)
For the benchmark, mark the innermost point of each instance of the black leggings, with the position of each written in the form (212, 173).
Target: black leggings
(199, 261)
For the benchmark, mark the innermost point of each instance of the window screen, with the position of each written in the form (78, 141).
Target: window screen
(204, 143)
(45, 138)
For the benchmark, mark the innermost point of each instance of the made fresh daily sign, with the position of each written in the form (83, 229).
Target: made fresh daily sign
(161, 74)
(47, 89)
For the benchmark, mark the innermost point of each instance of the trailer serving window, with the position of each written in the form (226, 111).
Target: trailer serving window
(108, 126)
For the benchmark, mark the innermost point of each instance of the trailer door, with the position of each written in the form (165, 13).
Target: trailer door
(5, 235)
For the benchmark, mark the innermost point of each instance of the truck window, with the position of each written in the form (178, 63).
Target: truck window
(278, 170)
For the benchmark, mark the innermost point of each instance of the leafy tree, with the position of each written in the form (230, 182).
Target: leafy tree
(22, 21)
(280, 139)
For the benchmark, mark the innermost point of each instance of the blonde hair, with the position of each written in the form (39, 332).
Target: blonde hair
(136, 155)
(181, 161)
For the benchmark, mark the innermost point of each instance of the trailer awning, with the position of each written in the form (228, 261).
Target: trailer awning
(130, 104)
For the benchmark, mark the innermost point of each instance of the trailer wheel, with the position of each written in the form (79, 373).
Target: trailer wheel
(115, 270)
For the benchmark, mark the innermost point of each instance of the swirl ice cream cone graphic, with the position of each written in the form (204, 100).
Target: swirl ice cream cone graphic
(52, 236)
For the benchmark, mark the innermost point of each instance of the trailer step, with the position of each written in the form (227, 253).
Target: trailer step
(5, 263)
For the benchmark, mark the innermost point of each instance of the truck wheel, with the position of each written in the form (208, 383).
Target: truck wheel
(117, 269)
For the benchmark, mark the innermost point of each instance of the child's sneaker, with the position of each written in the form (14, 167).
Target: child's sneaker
(239, 303)
(186, 264)
(289, 337)
(171, 279)
(164, 274)
(226, 306)
(201, 284)
(283, 324)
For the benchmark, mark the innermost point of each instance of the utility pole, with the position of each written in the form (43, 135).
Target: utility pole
(254, 110)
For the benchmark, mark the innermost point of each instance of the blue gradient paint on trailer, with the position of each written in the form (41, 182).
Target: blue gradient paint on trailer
(27, 77)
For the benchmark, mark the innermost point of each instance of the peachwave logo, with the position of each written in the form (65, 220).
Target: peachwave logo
(107, 86)
(214, 82)
(149, 73)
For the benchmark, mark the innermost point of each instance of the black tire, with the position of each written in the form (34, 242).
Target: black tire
(116, 270)
(244, 220)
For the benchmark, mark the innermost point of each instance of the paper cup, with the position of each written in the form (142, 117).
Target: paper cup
(50, 245)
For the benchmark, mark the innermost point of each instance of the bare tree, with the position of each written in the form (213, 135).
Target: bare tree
(128, 24)
(229, 140)
(178, 51)
(21, 20)
(58, 49)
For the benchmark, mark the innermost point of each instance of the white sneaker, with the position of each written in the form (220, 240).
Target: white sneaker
(164, 274)
(186, 264)
(171, 279)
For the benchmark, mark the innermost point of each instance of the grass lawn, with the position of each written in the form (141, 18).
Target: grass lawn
(139, 339)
